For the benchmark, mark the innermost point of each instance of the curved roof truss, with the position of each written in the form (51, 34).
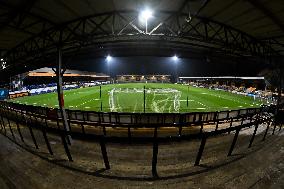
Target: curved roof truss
(125, 27)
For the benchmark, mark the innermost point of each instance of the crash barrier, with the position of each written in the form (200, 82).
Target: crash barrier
(34, 117)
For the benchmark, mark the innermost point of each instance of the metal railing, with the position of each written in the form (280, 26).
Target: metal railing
(49, 120)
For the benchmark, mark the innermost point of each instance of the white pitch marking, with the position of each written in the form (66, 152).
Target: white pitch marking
(201, 103)
(201, 108)
(71, 106)
(225, 107)
(34, 103)
(240, 106)
(87, 107)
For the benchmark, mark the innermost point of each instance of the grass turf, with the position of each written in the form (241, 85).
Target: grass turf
(200, 99)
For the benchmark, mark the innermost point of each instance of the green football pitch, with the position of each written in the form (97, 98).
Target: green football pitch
(129, 97)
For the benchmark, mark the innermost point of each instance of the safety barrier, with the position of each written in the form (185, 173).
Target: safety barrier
(49, 120)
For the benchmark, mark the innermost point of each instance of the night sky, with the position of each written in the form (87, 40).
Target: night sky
(166, 65)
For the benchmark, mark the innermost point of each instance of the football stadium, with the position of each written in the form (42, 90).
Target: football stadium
(141, 94)
(159, 98)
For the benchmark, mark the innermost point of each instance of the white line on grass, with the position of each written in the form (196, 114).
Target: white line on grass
(186, 100)
(135, 107)
(85, 102)
(201, 104)
(226, 98)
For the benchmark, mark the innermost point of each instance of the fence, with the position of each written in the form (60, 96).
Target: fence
(49, 120)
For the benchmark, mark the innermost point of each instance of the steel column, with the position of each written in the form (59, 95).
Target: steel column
(155, 153)
(60, 94)
(234, 142)
(201, 149)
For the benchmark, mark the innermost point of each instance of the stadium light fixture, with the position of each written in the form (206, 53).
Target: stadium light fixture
(145, 15)
(175, 58)
(108, 58)
(3, 65)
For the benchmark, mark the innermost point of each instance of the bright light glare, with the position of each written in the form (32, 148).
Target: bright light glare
(108, 58)
(145, 15)
(175, 58)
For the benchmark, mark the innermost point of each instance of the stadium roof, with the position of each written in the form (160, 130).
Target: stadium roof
(27, 27)
(21, 19)
(50, 72)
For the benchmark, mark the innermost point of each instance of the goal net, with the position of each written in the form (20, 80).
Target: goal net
(132, 100)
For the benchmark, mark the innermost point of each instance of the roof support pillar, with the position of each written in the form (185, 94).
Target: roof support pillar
(279, 90)
(59, 74)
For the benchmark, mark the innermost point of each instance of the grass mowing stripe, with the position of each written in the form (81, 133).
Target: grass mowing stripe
(199, 98)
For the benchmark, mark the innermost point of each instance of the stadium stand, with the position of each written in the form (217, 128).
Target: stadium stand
(143, 78)
(254, 87)
(27, 83)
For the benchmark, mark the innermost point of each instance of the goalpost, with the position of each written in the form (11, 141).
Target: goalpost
(163, 99)
(111, 100)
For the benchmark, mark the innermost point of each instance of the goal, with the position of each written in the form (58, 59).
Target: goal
(156, 100)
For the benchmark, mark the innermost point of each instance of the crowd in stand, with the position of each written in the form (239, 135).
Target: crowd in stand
(52, 87)
(250, 91)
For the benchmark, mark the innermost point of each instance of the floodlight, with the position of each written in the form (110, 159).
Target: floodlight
(108, 58)
(3, 65)
(145, 15)
(175, 58)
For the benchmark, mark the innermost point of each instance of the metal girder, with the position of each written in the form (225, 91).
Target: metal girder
(204, 4)
(15, 18)
(267, 13)
(124, 27)
(15, 12)
(275, 44)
